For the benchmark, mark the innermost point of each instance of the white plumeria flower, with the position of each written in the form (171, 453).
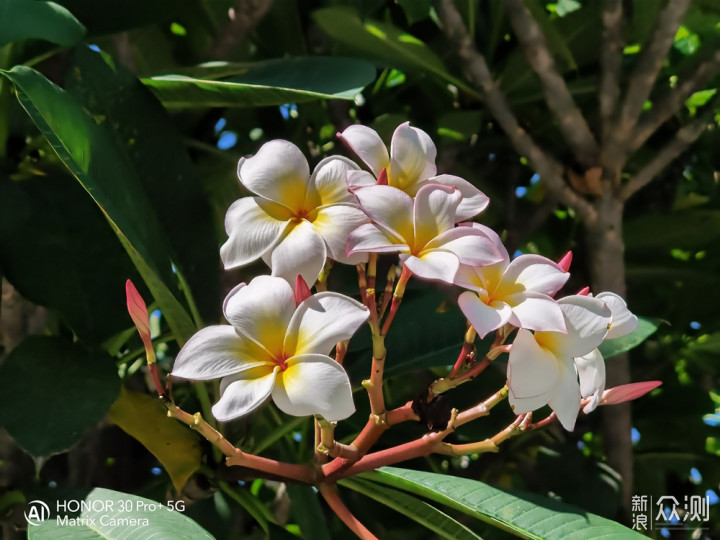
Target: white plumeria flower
(277, 348)
(541, 370)
(421, 230)
(296, 220)
(409, 166)
(519, 292)
(591, 367)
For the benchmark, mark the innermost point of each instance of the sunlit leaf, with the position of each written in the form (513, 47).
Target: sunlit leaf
(38, 19)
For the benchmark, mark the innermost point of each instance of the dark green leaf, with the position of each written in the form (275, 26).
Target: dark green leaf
(305, 509)
(415, 10)
(645, 329)
(426, 515)
(110, 515)
(37, 19)
(52, 390)
(674, 230)
(56, 249)
(143, 131)
(84, 145)
(523, 514)
(274, 82)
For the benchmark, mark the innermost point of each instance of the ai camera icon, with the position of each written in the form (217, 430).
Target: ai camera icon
(37, 512)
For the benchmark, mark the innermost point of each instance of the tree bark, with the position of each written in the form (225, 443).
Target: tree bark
(607, 266)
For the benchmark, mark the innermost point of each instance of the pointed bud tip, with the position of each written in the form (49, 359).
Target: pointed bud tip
(382, 178)
(564, 263)
(627, 392)
(584, 291)
(302, 291)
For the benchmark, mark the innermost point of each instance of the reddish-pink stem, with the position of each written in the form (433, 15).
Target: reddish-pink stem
(330, 494)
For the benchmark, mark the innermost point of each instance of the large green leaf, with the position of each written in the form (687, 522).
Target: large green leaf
(523, 514)
(307, 512)
(57, 251)
(37, 19)
(274, 82)
(613, 347)
(107, 516)
(426, 515)
(52, 390)
(143, 131)
(84, 145)
(384, 43)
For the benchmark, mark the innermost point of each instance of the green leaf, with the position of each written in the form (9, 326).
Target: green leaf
(83, 144)
(523, 514)
(106, 516)
(305, 509)
(426, 515)
(173, 444)
(274, 82)
(37, 19)
(415, 10)
(144, 132)
(384, 43)
(52, 390)
(645, 329)
(57, 251)
(673, 230)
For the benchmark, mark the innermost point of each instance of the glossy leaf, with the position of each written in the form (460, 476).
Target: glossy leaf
(274, 82)
(419, 511)
(523, 514)
(52, 390)
(38, 19)
(105, 519)
(305, 509)
(86, 148)
(173, 444)
(613, 347)
(143, 131)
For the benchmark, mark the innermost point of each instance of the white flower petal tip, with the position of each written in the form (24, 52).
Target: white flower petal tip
(367, 145)
(241, 396)
(623, 320)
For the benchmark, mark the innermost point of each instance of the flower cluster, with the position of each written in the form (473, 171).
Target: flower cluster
(280, 336)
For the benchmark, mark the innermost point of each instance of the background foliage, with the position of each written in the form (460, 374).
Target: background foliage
(121, 124)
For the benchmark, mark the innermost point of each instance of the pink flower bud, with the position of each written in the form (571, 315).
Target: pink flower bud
(139, 314)
(627, 392)
(382, 178)
(584, 291)
(302, 291)
(564, 263)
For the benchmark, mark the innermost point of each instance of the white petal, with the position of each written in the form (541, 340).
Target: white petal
(390, 208)
(623, 320)
(217, 351)
(368, 146)
(534, 273)
(470, 245)
(586, 320)
(330, 179)
(533, 373)
(591, 370)
(254, 226)
(357, 179)
(494, 238)
(434, 211)
(314, 384)
(483, 317)
(566, 397)
(321, 321)
(278, 172)
(335, 223)
(302, 252)
(412, 157)
(369, 238)
(469, 277)
(262, 311)
(435, 265)
(473, 200)
(241, 396)
(535, 311)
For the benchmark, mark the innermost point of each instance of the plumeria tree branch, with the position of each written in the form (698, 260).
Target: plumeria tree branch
(572, 124)
(611, 56)
(330, 494)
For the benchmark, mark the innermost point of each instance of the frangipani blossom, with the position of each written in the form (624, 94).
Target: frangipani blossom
(409, 166)
(277, 348)
(591, 367)
(296, 220)
(421, 230)
(541, 370)
(519, 292)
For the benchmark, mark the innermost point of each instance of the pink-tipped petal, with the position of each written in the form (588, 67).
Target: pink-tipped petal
(534, 273)
(433, 265)
(470, 245)
(627, 392)
(369, 238)
(473, 200)
(139, 314)
(330, 179)
(389, 208)
(368, 146)
(412, 157)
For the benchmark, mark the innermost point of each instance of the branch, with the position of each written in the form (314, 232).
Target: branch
(672, 101)
(329, 493)
(649, 63)
(557, 96)
(611, 55)
(478, 72)
(685, 136)
(244, 17)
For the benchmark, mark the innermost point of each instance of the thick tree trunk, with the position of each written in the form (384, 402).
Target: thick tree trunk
(607, 263)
